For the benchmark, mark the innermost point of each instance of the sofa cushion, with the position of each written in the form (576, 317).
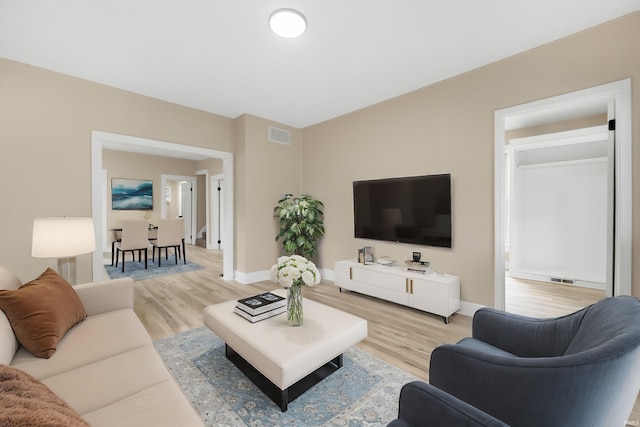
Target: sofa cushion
(135, 389)
(42, 311)
(8, 341)
(95, 339)
(28, 402)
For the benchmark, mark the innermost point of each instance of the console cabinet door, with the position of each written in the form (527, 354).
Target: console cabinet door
(429, 296)
(355, 279)
(394, 288)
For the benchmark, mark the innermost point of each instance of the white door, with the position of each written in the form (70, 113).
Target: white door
(186, 195)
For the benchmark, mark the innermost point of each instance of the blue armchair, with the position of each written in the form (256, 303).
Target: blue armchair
(582, 369)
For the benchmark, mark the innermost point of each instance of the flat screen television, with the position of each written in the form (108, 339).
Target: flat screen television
(414, 210)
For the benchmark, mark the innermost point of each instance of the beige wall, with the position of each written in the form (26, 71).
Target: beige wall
(448, 128)
(269, 171)
(46, 120)
(120, 164)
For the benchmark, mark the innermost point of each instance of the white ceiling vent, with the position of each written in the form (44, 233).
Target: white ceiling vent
(281, 136)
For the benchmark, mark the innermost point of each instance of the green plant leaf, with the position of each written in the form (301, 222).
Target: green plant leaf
(300, 221)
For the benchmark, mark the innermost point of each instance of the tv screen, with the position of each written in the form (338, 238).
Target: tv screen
(413, 210)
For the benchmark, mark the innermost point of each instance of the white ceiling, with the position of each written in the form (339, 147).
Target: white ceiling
(220, 56)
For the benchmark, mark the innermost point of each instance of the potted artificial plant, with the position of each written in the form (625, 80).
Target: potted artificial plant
(301, 225)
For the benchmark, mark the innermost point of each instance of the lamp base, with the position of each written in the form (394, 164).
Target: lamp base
(67, 269)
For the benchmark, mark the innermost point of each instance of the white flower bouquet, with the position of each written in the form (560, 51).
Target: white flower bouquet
(295, 270)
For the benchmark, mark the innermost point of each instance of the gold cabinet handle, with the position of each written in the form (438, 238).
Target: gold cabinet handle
(406, 285)
(350, 273)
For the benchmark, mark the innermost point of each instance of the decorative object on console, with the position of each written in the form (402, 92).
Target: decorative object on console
(367, 255)
(63, 238)
(416, 256)
(418, 266)
(301, 226)
(293, 272)
(385, 261)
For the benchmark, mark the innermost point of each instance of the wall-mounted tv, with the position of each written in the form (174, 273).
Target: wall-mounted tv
(131, 194)
(414, 210)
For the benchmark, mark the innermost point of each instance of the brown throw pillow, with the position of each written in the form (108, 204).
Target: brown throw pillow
(42, 311)
(26, 401)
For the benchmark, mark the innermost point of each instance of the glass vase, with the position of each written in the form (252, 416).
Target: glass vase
(294, 305)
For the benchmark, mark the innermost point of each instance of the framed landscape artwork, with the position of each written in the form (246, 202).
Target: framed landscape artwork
(131, 194)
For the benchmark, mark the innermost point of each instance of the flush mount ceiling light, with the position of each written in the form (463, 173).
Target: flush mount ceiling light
(287, 23)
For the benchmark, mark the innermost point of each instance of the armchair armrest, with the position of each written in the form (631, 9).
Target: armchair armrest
(423, 405)
(102, 297)
(526, 336)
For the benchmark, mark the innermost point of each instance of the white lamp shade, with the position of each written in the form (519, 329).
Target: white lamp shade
(62, 237)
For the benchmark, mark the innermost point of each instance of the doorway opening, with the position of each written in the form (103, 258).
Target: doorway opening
(183, 202)
(105, 140)
(613, 100)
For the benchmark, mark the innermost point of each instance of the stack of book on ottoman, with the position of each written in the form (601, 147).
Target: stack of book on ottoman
(260, 307)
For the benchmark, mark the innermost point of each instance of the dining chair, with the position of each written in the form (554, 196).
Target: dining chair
(113, 246)
(170, 233)
(135, 237)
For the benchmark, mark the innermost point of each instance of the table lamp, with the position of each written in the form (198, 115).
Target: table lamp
(63, 238)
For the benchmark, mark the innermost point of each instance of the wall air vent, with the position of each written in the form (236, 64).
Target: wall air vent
(281, 136)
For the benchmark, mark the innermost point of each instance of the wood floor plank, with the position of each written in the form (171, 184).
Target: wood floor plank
(401, 336)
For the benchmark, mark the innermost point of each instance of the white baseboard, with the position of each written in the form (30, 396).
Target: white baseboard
(248, 278)
(469, 308)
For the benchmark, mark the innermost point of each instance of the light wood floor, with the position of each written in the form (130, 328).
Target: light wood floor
(401, 336)
(540, 299)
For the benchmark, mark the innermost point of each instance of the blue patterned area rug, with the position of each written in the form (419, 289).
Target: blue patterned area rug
(136, 270)
(364, 392)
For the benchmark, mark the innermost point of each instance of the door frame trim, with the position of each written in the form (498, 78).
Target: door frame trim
(620, 92)
(105, 140)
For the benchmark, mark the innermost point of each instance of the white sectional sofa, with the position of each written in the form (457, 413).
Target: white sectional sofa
(105, 367)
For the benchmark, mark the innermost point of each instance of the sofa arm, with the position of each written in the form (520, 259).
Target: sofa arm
(526, 336)
(423, 405)
(102, 297)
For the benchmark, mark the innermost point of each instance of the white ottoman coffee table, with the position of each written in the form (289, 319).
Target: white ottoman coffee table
(285, 361)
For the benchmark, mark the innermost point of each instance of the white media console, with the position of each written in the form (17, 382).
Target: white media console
(434, 293)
